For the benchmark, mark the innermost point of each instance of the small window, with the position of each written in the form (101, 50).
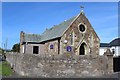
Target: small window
(51, 46)
(35, 49)
(82, 28)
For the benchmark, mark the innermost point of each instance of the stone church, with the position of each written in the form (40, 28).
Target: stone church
(75, 36)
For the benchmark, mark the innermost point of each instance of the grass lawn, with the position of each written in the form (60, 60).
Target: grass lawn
(5, 69)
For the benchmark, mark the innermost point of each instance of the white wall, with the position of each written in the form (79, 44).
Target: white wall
(102, 50)
(117, 50)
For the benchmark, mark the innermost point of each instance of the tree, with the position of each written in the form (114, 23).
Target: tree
(16, 47)
(1, 50)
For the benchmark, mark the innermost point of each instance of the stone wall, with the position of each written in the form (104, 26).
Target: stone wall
(21, 41)
(58, 65)
(55, 47)
(89, 37)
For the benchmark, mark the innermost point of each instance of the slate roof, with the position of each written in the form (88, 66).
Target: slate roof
(32, 37)
(115, 42)
(52, 33)
(104, 44)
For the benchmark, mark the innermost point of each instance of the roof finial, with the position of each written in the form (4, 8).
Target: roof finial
(82, 7)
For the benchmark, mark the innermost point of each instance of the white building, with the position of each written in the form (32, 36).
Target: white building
(114, 46)
(103, 48)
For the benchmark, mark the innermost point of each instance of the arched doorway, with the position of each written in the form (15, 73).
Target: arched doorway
(82, 49)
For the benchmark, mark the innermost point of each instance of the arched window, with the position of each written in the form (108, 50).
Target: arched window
(91, 40)
(72, 38)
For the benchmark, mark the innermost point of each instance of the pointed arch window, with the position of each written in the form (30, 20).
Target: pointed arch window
(72, 38)
(91, 40)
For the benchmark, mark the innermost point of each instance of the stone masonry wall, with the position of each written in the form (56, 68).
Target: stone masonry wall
(58, 65)
(80, 37)
(55, 47)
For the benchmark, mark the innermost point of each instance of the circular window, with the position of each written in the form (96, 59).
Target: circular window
(82, 28)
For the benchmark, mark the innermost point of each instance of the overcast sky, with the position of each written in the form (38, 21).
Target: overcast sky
(35, 17)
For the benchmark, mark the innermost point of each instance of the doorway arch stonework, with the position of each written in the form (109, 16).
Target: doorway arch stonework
(83, 49)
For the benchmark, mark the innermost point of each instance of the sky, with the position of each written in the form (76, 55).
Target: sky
(35, 17)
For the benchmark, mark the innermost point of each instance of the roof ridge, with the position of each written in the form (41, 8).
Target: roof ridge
(32, 34)
(54, 26)
(51, 33)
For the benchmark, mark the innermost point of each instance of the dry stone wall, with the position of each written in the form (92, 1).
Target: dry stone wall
(58, 65)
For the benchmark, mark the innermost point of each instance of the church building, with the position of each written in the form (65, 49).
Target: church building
(75, 36)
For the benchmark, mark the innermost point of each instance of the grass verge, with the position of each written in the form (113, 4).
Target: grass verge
(5, 69)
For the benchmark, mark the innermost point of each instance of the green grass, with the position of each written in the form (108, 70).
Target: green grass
(5, 69)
